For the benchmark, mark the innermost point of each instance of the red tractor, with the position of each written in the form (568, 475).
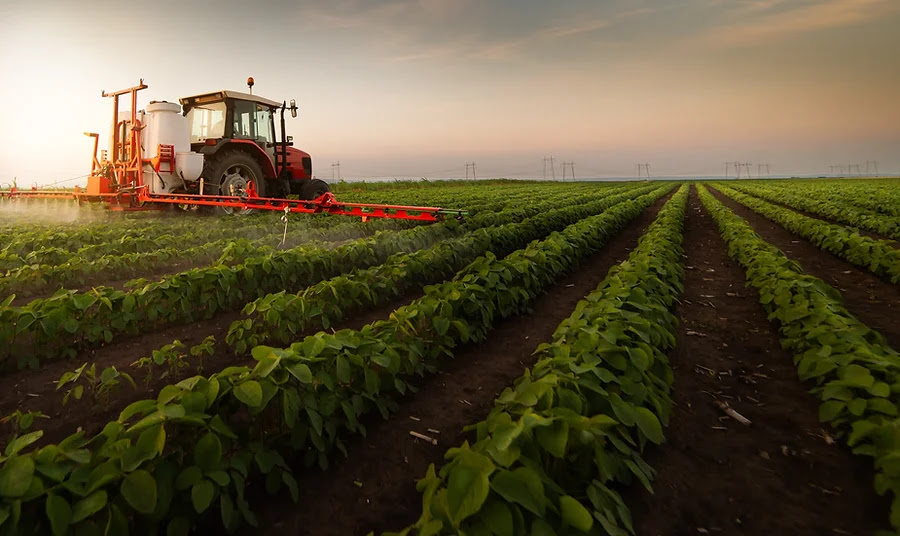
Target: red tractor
(216, 150)
(235, 132)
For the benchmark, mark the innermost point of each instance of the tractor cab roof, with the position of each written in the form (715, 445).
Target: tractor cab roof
(226, 94)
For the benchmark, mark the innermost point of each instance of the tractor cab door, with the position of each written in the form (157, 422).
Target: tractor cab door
(254, 121)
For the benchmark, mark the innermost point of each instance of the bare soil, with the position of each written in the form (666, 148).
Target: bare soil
(782, 474)
(374, 487)
(874, 301)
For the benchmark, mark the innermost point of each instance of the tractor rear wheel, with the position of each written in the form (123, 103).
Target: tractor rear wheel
(314, 188)
(230, 173)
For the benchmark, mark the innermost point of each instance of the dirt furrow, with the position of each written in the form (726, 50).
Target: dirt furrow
(374, 487)
(871, 299)
(782, 474)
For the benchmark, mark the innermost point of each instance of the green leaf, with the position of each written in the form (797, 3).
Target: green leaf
(522, 486)
(574, 514)
(830, 409)
(188, 477)
(16, 475)
(249, 392)
(208, 452)
(202, 495)
(139, 490)
(21, 442)
(467, 488)
(554, 437)
(857, 406)
(89, 506)
(59, 513)
(149, 444)
(301, 372)
(342, 369)
(648, 424)
(857, 376)
(639, 358)
(497, 517)
(441, 325)
(880, 389)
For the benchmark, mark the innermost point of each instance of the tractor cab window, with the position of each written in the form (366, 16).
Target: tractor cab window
(207, 121)
(265, 127)
(253, 121)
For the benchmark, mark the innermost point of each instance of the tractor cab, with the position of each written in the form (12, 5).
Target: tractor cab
(232, 115)
(236, 134)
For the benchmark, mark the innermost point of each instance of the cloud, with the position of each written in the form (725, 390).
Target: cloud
(809, 18)
(426, 30)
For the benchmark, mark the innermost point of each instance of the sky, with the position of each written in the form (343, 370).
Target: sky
(421, 87)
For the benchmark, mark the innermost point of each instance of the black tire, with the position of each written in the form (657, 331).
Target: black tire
(313, 188)
(228, 172)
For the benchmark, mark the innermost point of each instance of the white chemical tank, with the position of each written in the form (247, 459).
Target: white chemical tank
(164, 125)
(188, 165)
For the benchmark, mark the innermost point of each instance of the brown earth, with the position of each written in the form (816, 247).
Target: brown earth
(872, 300)
(374, 487)
(783, 474)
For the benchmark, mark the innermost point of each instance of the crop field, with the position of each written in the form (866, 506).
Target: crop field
(621, 358)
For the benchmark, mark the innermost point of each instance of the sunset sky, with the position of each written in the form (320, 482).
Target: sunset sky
(420, 87)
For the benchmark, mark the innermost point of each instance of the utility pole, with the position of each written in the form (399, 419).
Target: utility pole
(874, 167)
(570, 165)
(643, 168)
(737, 166)
(336, 166)
(472, 164)
(726, 169)
(552, 169)
(747, 167)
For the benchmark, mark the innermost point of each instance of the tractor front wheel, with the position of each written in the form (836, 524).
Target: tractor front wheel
(313, 189)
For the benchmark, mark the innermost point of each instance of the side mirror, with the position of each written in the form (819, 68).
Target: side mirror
(293, 108)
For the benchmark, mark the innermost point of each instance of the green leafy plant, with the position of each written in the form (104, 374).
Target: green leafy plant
(100, 386)
(205, 348)
(21, 423)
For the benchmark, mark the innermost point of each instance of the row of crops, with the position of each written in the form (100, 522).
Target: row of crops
(561, 442)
